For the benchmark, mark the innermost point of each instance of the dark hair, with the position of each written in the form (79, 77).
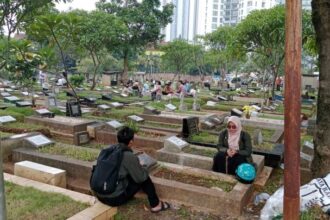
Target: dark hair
(125, 135)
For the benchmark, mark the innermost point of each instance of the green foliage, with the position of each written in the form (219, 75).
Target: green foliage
(18, 113)
(77, 80)
(133, 125)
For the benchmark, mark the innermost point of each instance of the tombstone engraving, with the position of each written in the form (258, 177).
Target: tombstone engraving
(190, 126)
(174, 144)
(149, 110)
(39, 141)
(114, 124)
(210, 103)
(6, 119)
(236, 112)
(146, 161)
(170, 107)
(135, 118)
(23, 104)
(257, 137)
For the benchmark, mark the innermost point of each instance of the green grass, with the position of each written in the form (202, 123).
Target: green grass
(162, 125)
(5, 134)
(27, 126)
(28, 203)
(18, 113)
(204, 137)
(274, 182)
(266, 133)
(71, 151)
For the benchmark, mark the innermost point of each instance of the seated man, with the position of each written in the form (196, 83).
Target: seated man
(132, 177)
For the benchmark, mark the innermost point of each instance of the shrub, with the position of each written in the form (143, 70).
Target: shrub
(77, 80)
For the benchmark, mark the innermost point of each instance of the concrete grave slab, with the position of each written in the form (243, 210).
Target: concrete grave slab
(174, 144)
(114, 125)
(24, 104)
(135, 118)
(45, 113)
(170, 107)
(211, 103)
(5, 94)
(150, 110)
(25, 93)
(41, 173)
(207, 125)
(103, 107)
(117, 105)
(39, 141)
(11, 99)
(6, 119)
(236, 112)
(93, 128)
(146, 161)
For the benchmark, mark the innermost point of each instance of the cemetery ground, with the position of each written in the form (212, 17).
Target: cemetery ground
(73, 144)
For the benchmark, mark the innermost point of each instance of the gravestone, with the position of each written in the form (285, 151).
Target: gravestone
(39, 141)
(11, 99)
(117, 105)
(73, 108)
(115, 91)
(146, 161)
(196, 106)
(81, 138)
(149, 110)
(123, 95)
(51, 101)
(257, 137)
(174, 144)
(115, 125)
(56, 90)
(190, 126)
(135, 118)
(170, 107)
(6, 119)
(210, 103)
(8, 90)
(207, 125)
(45, 113)
(23, 104)
(222, 98)
(272, 108)
(251, 91)
(5, 94)
(236, 112)
(305, 160)
(25, 93)
(106, 96)
(103, 107)
(308, 148)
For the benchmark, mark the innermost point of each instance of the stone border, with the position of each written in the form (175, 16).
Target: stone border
(97, 211)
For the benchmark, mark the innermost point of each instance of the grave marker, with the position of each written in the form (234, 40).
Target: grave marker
(117, 105)
(73, 108)
(190, 126)
(211, 103)
(6, 119)
(39, 141)
(146, 161)
(25, 93)
(81, 138)
(174, 144)
(257, 137)
(308, 148)
(115, 125)
(149, 110)
(23, 104)
(135, 118)
(222, 98)
(45, 113)
(5, 94)
(236, 112)
(103, 107)
(11, 99)
(170, 107)
(51, 101)
(305, 160)
(8, 90)
(106, 96)
(207, 125)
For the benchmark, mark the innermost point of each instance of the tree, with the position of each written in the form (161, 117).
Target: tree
(143, 22)
(98, 30)
(262, 32)
(177, 56)
(321, 21)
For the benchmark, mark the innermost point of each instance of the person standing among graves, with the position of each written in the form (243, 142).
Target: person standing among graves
(234, 147)
(133, 177)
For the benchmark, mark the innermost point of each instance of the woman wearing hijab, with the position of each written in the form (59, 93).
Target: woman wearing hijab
(234, 148)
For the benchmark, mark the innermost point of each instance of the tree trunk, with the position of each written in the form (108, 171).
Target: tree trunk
(321, 21)
(124, 75)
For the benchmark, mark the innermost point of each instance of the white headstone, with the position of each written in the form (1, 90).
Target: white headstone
(174, 144)
(9, 90)
(5, 119)
(136, 118)
(35, 96)
(25, 93)
(116, 104)
(5, 94)
(115, 91)
(12, 98)
(170, 107)
(211, 103)
(24, 103)
(103, 107)
(124, 95)
(39, 140)
(18, 135)
(114, 124)
(42, 111)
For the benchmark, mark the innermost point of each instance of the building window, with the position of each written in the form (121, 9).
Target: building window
(215, 13)
(214, 26)
(263, 4)
(249, 3)
(220, 20)
(255, 4)
(214, 19)
(215, 6)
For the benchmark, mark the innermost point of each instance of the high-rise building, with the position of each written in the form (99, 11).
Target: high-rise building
(246, 6)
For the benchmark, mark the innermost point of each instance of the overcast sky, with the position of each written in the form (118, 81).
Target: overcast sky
(87, 5)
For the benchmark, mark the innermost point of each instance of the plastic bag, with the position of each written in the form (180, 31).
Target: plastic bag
(316, 192)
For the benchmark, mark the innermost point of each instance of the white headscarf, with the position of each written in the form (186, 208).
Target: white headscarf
(234, 135)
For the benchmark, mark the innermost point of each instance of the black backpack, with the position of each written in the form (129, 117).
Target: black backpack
(105, 174)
